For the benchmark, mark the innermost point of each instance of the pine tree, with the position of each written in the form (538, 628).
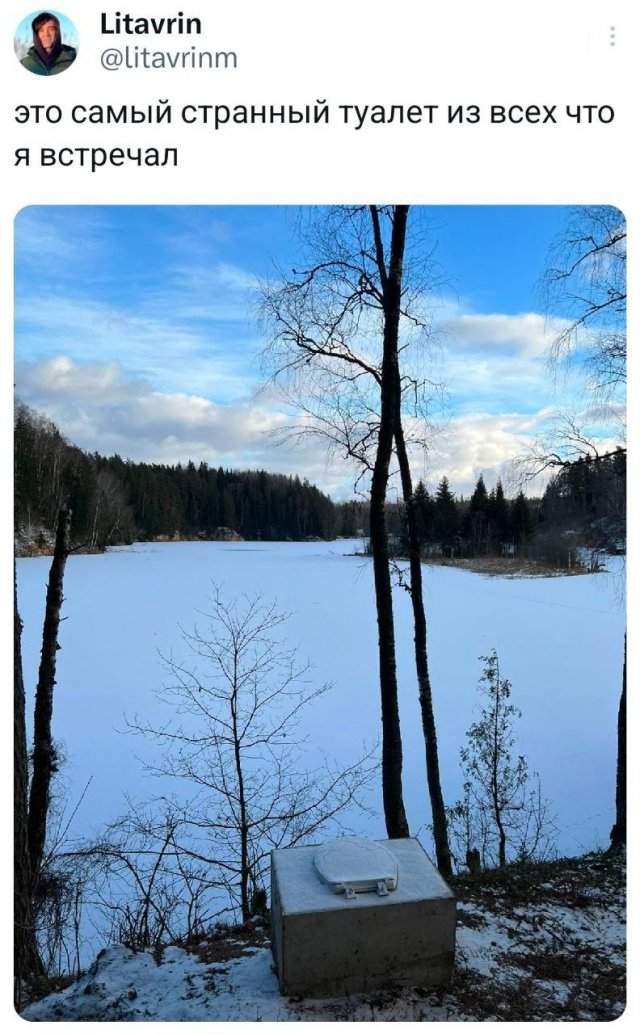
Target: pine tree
(501, 516)
(476, 521)
(424, 510)
(521, 521)
(445, 516)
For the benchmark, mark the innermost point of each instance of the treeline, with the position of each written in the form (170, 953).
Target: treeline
(589, 497)
(487, 523)
(116, 501)
(191, 501)
(584, 504)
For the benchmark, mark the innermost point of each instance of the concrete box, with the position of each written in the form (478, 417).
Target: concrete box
(328, 943)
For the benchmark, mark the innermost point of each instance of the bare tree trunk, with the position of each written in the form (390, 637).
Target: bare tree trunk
(25, 951)
(44, 757)
(242, 802)
(495, 796)
(502, 846)
(619, 831)
(438, 812)
(394, 811)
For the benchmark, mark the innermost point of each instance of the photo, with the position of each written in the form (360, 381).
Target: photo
(320, 620)
(46, 43)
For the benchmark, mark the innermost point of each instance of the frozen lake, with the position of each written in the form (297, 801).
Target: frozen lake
(560, 642)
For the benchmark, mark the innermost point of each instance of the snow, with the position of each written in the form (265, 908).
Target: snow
(543, 961)
(302, 892)
(560, 642)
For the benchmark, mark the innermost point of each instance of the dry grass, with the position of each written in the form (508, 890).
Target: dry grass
(535, 942)
(228, 942)
(507, 567)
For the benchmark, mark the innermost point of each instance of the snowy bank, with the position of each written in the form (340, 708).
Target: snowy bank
(536, 942)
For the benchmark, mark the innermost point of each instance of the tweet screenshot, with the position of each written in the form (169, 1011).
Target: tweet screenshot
(315, 378)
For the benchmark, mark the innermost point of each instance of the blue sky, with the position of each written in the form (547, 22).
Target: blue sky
(137, 331)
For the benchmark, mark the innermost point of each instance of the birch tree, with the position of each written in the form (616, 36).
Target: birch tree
(238, 696)
(340, 320)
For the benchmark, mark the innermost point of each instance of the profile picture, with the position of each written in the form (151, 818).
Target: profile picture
(46, 43)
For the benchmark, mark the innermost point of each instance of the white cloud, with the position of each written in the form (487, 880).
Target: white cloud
(528, 334)
(479, 443)
(100, 408)
(167, 368)
(163, 347)
(62, 378)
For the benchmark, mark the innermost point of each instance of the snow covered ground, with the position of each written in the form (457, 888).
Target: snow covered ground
(547, 943)
(559, 639)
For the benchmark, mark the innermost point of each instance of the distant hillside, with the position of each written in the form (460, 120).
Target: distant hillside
(116, 501)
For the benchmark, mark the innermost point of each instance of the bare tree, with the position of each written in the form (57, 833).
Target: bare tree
(619, 830)
(138, 882)
(564, 442)
(390, 298)
(439, 817)
(44, 751)
(111, 516)
(27, 963)
(59, 908)
(144, 888)
(239, 709)
(587, 276)
(342, 317)
(42, 894)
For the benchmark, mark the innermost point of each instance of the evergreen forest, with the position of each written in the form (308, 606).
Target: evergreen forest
(116, 501)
